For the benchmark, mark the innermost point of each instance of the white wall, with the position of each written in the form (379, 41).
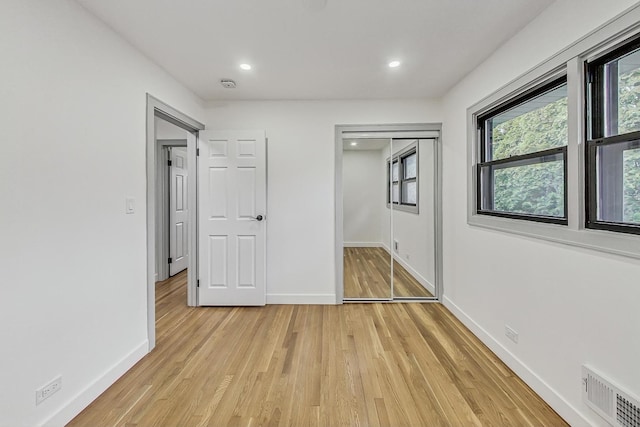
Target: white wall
(166, 130)
(571, 306)
(73, 300)
(363, 194)
(301, 157)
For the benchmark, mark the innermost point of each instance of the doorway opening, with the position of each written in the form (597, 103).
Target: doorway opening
(169, 132)
(172, 210)
(388, 213)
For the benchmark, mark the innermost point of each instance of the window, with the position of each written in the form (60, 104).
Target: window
(572, 177)
(409, 179)
(404, 179)
(395, 182)
(613, 147)
(522, 168)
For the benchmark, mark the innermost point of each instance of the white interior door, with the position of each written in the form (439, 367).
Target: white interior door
(232, 188)
(178, 211)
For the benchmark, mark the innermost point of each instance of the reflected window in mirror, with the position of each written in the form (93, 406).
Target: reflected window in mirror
(402, 185)
(395, 182)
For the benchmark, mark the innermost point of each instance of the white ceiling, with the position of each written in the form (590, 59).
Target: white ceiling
(317, 49)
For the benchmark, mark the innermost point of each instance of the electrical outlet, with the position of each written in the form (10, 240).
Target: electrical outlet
(130, 205)
(511, 334)
(46, 391)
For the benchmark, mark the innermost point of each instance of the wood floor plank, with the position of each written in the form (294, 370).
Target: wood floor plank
(343, 365)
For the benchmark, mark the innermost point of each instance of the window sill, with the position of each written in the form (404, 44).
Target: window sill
(405, 208)
(626, 245)
(525, 217)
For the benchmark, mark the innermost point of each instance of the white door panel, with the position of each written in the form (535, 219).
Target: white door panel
(231, 196)
(178, 212)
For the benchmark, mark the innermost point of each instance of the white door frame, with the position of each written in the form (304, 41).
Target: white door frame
(157, 108)
(386, 131)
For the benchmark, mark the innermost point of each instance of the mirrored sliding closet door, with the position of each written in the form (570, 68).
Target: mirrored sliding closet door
(366, 219)
(389, 222)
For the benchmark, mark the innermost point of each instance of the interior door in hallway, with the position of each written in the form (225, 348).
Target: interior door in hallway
(231, 218)
(178, 211)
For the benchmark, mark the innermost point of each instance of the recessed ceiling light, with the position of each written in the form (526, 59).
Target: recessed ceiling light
(353, 144)
(245, 66)
(394, 64)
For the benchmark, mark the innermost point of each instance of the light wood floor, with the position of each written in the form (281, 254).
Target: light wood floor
(332, 365)
(367, 273)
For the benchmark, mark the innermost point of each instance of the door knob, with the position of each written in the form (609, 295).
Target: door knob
(259, 218)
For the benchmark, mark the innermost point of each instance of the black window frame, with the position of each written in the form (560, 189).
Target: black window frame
(484, 156)
(391, 182)
(404, 179)
(400, 158)
(596, 114)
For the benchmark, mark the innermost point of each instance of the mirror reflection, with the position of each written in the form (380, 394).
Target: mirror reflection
(413, 219)
(389, 218)
(367, 264)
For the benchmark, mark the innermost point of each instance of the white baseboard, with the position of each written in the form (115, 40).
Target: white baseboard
(77, 403)
(424, 282)
(544, 390)
(362, 244)
(308, 299)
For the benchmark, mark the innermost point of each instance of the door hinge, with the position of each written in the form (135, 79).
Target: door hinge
(197, 151)
(169, 162)
(198, 283)
(170, 260)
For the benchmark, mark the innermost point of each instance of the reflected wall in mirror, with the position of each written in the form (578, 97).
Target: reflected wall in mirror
(413, 217)
(367, 263)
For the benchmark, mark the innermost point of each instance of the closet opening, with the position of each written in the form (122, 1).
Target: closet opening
(388, 213)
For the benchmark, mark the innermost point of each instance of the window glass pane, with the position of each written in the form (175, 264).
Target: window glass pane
(631, 183)
(618, 182)
(628, 94)
(409, 164)
(395, 176)
(538, 124)
(532, 187)
(409, 192)
(395, 192)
